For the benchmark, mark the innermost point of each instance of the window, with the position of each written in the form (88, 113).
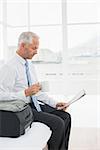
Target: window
(46, 12)
(82, 40)
(82, 28)
(65, 27)
(81, 11)
(43, 17)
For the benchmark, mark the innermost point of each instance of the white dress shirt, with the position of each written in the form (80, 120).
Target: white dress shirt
(13, 81)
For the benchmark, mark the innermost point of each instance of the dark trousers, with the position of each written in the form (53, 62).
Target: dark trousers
(60, 124)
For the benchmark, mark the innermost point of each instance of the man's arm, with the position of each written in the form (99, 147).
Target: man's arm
(44, 97)
(7, 81)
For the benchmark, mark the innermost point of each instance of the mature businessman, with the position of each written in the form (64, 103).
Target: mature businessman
(15, 84)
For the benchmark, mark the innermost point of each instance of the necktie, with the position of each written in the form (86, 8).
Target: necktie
(33, 97)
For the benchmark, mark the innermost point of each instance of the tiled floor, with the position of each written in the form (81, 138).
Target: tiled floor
(85, 139)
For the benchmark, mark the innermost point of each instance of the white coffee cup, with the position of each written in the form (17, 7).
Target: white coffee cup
(44, 86)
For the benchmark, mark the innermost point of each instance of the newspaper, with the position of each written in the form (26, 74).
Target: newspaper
(77, 97)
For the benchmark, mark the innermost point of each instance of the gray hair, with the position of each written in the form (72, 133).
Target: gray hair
(26, 37)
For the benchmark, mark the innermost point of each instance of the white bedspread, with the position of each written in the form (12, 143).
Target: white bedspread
(34, 139)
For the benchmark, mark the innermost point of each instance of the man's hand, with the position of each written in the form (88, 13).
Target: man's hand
(61, 106)
(32, 89)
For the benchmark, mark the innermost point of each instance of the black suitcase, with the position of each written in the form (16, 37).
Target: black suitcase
(14, 123)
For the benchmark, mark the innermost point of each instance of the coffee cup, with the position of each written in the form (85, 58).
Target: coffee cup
(44, 86)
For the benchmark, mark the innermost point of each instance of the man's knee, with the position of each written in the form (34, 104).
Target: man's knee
(60, 125)
(68, 116)
(68, 120)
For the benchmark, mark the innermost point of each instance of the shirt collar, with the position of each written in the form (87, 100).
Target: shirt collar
(22, 60)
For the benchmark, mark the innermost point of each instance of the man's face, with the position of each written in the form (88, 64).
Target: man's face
(31, 49)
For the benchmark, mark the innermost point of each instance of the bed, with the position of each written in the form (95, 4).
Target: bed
(35, 138)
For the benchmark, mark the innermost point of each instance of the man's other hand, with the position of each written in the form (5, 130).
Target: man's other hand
(61, 106)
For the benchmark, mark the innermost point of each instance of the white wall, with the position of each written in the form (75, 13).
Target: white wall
(84, 112)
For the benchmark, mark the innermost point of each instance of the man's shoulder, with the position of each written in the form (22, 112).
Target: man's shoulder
(9, 65)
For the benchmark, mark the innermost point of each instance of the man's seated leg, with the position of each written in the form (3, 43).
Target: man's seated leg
(65, 116)
(57, 126)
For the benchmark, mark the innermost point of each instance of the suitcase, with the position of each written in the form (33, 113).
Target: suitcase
(15, 118)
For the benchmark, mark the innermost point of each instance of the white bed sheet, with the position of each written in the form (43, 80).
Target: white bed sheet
(34, 139)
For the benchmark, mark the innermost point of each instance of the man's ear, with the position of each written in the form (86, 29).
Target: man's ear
(22, 45)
